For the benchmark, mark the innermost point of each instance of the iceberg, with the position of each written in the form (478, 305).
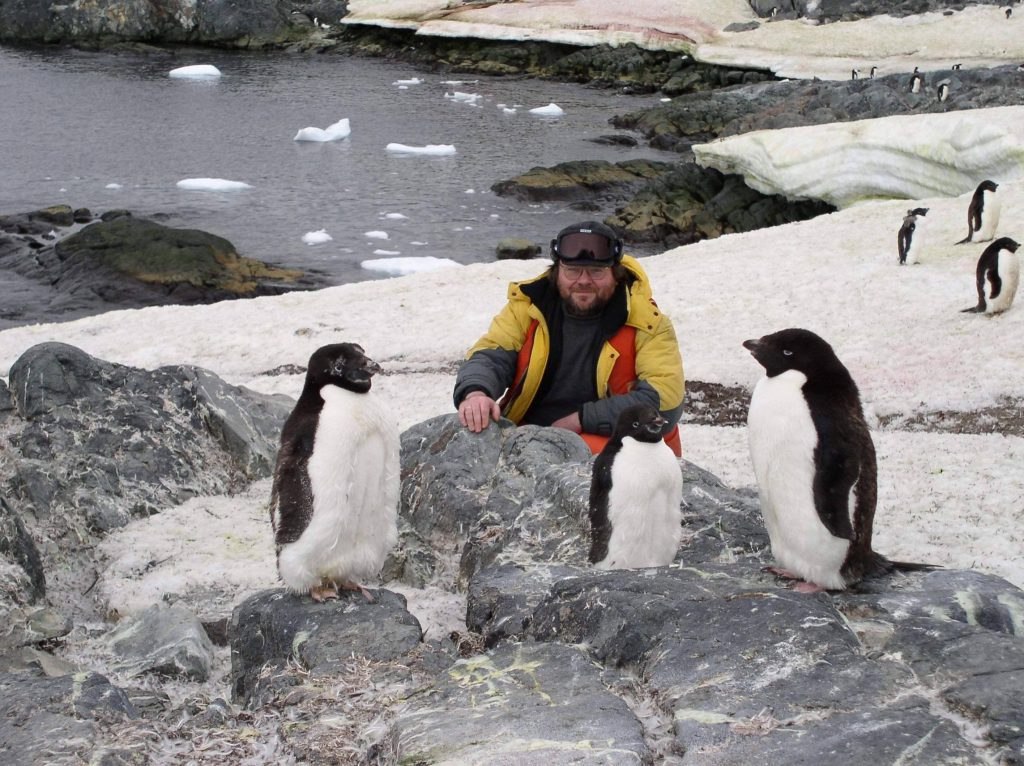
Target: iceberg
(316, 237)
(211, 184)
(551, 110)
(195, 71)
(408, 265)
(434, 150)
(334, 132)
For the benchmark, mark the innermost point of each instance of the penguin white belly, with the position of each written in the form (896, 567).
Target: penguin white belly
(782, 442)
(990, 217)
(354, 477)
(917, 243)
(1008, 268)
(644, 506)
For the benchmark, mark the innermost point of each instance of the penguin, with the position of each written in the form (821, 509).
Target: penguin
(1009, 12)
(872, 74)
(334, 498)
(636, 492)
(910, 241)
(956, 67)
(814, 462)
(915, 82)
(983, 212)
(943, 91)
(1000, 267)
(854, 74)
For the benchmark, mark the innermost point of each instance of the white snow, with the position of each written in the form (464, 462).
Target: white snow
(211, 184)
(195, 71)
(334, 132)
(408, 265)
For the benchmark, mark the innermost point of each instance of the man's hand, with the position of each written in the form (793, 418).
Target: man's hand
(570, 422)
(477, 411)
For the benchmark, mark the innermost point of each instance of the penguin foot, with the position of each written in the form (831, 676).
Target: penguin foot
(809, 587)
(356, 586)
(783, 573)
(321, 593)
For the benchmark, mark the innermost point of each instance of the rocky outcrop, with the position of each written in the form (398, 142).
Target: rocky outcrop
(709, 660)
(657, 202)
(91, 445)
(699, 118)
(850, 10)
(121, 261)
(246, 24)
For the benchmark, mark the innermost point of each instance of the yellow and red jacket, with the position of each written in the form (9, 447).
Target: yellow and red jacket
(641, 355)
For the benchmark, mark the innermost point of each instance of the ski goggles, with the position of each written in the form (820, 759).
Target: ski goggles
(585, 247)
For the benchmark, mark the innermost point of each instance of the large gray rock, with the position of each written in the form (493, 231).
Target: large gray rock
(165, 640)
(91, 445)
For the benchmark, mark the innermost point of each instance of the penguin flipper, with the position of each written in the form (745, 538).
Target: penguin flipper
(600, 529)
(833, 481)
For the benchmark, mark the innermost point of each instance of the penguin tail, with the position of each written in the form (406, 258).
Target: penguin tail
(966, 239)
(973, 310)
(912, 566)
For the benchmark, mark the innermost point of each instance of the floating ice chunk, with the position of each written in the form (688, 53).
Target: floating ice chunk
(551, 110)
(211, 184)
(395, 216)
(508, 110)
(434, 150)
(335, 132)
(113, 186)
(316, 237)
(407, 265)
(376, 235)
(387, 252)
(466, 98)
(412, 81)
(196, 71)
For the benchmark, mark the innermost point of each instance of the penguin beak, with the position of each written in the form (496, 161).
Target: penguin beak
(655, 426)
(371, 366)
(752, 346)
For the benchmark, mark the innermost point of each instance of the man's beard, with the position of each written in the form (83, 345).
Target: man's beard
(589, 312)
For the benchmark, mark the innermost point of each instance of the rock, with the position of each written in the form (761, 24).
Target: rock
(274, 627)
(168, 641)
(121, 261)
(93, 444)
(514, 248)
(541, 702)
(581, 180)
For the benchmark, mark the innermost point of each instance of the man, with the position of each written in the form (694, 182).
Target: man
(575, 346)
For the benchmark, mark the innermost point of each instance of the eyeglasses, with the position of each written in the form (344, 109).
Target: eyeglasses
(585, 245)
(596, 273)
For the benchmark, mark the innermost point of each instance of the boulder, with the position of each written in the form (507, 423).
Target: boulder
(165, 640)
(516, 248)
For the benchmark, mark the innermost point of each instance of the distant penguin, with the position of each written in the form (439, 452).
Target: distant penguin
(999, 267)
(854, 74)
(873, 70)
(334, 501)
(1009, 12)
(636, 492)
(956, 67)
(943, 91)
(910, 240)
(814, 462)
(915, 82)
(983, 213)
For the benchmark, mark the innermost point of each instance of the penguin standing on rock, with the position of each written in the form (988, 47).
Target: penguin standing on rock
(999, 267)
(814, 461)
(334, 501)
(910, 240)
(983, 213)
(636, 492)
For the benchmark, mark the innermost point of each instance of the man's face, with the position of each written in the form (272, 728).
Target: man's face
(585, 290)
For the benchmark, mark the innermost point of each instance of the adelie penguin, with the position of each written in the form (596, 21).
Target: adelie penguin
(999, 271)
(910, 240)
(814, 462)
(334, 500)
(636, 492)
(983, 213)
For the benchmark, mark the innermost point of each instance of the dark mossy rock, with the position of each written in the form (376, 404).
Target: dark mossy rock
(581, 180)
(692, 203)
(516, 248)
(160, 255)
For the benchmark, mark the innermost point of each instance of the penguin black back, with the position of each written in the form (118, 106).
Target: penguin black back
(641, 422)
(977, 208)
(989, 270)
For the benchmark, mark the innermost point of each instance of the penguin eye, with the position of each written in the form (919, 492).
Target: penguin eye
(636, 424)
(787, 352)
